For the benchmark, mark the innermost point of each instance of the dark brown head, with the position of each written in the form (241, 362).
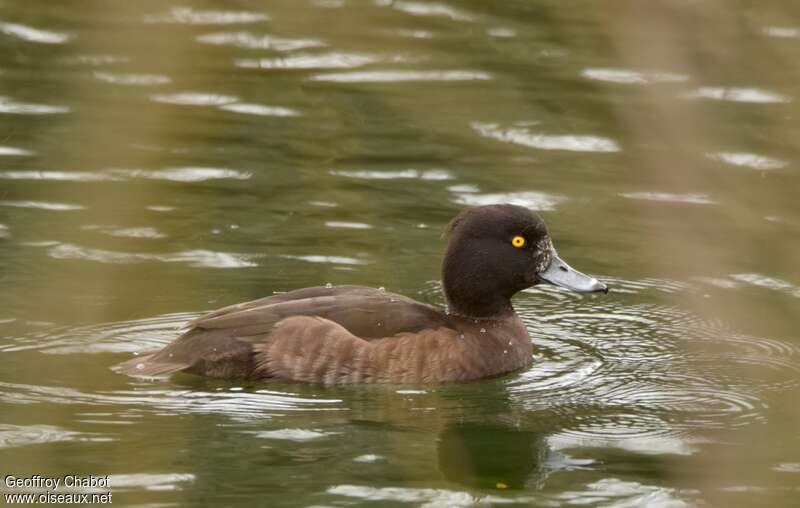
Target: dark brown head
(496, 251)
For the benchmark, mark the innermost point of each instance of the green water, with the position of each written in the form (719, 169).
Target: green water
(159, 160)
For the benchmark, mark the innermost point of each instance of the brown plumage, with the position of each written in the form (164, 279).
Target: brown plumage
(353, 334)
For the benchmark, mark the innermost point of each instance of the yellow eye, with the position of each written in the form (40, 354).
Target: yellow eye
(518, 241)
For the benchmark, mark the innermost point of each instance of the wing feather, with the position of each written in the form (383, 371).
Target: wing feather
(220, 343)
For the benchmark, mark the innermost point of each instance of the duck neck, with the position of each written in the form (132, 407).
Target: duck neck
(479, 310)
(471, 298)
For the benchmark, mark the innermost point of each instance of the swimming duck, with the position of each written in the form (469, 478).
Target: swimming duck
(354, 334)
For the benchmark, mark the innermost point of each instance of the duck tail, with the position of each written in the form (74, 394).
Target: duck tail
(146, 365)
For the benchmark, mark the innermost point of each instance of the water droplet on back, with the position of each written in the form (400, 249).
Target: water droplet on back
(328, 285)
(140, 366)
(382, 289)
(483, 330)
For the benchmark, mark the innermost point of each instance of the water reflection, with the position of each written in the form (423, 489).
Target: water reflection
(753, 95)
(431, 9)
(669, 197)
(40, 205)
(396, 76)
(631, 77)
(133, 79)
(750, 160)
(534, 200)
(430, 174)
(493, 456)
(197, 258)
(251, 41)
(153, 482)
(14, 152)
(768, 282)
(783, 32)
(259, 109)
(522, 136)
(9, 105)
(31, 34)
(319, 61)
(190, 16)
(22, 435)
(143, 232)
(194, 99)
(190, 174)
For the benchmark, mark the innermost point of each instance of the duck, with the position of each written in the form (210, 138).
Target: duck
(332, 335)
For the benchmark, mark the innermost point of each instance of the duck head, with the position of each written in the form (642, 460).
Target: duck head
(495, 251)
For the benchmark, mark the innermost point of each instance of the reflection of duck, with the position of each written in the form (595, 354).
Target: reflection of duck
(352, 334)
(492, 455)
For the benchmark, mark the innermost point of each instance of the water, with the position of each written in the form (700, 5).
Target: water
(159, 160)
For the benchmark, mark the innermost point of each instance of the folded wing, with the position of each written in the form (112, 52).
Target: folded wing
(220, 343)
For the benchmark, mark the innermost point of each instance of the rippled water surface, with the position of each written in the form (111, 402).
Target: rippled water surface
(159, 160)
